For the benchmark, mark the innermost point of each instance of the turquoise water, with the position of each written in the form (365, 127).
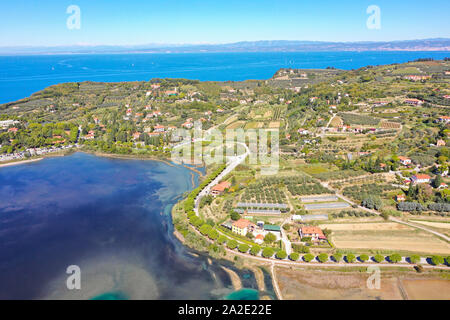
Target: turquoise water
(110, 296)
(244, 294)
(20, 76)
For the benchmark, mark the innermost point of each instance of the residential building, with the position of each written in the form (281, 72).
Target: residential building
(315, 233)
(219, 188)
(243, 226)
(404, 160)
(420, 178)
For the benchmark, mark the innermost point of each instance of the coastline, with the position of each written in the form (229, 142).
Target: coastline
(15, 163)
(144, 157)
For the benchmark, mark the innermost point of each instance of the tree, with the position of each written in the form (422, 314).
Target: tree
(267, 252)
(437, 260)
(414, 258)
(437, 181)
(255, 250)
(249, 235)
(213, 234)
(294, 256)
(394, 258)
(235, 216)
(363, 257)
(447, 260)
(243, 247)
(323, 257)
(205, 229)
(232, 244)
(269, 238)
(308, 257)
(281, 254)
(222, 239)
(350, 258)
(337, 256)
(378, 258)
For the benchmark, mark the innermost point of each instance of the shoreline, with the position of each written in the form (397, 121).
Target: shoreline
(16, 163)
(136, 157)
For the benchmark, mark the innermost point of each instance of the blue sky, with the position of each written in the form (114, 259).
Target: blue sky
(43, 22)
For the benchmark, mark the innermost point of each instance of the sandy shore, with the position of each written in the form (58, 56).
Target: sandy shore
(19, 162)
(235, 280)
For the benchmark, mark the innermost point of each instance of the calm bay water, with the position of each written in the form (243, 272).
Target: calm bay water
(110, 217)
(20, 76)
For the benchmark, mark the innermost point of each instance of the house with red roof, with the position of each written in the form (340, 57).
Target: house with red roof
(219, 188)
(242, 227)
(420, 178)
(315, 233)
(404, 160)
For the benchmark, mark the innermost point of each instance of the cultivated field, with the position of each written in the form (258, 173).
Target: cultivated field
(385, 236)
(418, 289)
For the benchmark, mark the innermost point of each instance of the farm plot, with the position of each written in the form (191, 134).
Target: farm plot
(299, 186)
(386, 236)
(236, 125)
(359, 119)
(361, 192)
(326, 205)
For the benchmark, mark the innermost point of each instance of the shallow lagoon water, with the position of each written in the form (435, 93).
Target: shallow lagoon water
(111, 217)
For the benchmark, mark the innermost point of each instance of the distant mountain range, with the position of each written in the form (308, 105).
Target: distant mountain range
(437, 44)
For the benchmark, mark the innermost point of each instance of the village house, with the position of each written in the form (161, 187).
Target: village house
(400, 198)
(13, 130)
(243, 226)
(219, 188)
(303, 132)
(420, 178)
(444, 119)
(413, 102)
(404, 160)
(158, 128)
(416, 78)
(187, 125)
(90, 135)
(443, 185)
(315, 233)
(440, 143)
(171, 92)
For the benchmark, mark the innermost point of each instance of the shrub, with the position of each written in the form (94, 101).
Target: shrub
(255, 250)
(294, 256)
(232, 244)
(281, 254)
(270, 237)
(337, 257)
(378, 258)
(243, 247)
(323, 257)
(205, 229)
(364, 257)
(414, 258)
(350, 258)
(267, 252)
(308, 257)
(447, 260)
(222, 239)
(437, 260)
(394, 258)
